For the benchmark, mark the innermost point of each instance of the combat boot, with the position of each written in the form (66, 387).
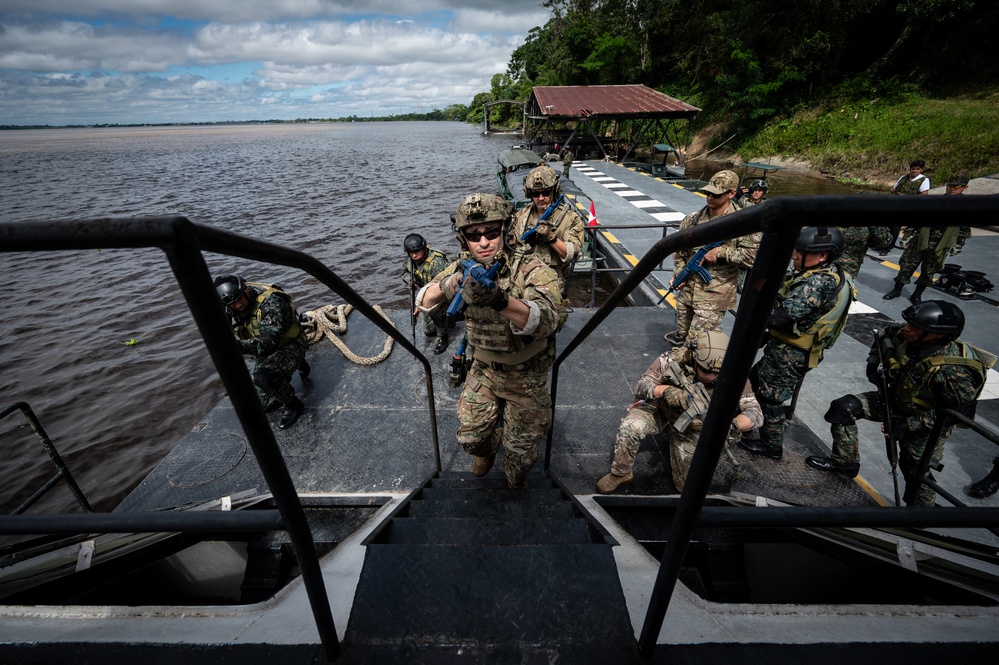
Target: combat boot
(848, 469)
(988, 485)
(441, 346)
(481, 465)
(610, 482)
(292, 410)
(757, 447)
(917, 295)
(304, 370)
(894, 293)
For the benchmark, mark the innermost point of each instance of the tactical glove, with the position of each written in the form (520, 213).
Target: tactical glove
(675, 396)
(480, 295)
(872, 374)
(544, 234)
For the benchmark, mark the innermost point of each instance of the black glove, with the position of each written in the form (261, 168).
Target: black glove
(780, 320)
(872, 374)
(480, 295)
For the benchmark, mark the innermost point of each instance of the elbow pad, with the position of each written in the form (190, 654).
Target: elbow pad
(780, 320)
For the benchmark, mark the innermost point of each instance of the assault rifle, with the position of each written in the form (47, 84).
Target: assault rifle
(481, 275)
(412, 297)
(529, 233)
(886, 417)
(458, 366)
(697, 396)
(692, 267)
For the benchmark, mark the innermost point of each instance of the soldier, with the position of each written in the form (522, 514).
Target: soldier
(809, 316)
(558, 241)
(267, 329)
(567, 158)
(510, 323)
(756, 194)
(909, 184)
(856, 241)
(930, 247)
(673, 395)
(988, 485)
(927, 368)
(701, 306)
(419, 267)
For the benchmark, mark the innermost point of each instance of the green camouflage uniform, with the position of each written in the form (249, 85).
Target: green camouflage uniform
(654, 416)
(505, 401)
(945, 385)
(909, 187)
(699, 306)
(567, 158)
(856, 241)
(271, 335)
(808, 299)
(929, 247)
(433, 262)
(567, 226)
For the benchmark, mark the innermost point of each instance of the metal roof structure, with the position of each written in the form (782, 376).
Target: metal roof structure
(606, 101)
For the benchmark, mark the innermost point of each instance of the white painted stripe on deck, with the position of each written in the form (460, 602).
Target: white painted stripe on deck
(651, 203)
(860, 308)
(630, 192)
(668, 216)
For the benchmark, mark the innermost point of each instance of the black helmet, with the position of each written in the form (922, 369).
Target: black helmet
(230, 288)
(936, 316)
(759, 184)
(818, 239)
(414, 242)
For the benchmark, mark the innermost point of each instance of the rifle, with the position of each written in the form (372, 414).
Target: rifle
(412, 297)
(697, 396)
(886, 416)
(481, 275)
(458, 366)
(545, 215)
(693, 266)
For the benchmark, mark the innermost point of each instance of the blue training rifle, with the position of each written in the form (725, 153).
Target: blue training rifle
(692, 267)
(545, 215)
(481, 275)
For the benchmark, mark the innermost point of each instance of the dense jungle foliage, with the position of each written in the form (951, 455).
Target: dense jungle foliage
(752, 63)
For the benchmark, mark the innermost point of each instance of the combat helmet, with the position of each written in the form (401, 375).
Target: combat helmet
(759, 184)
(414, 242)
(541, 178)
(818, 239)
(479, 209)
(707, 351)
(230, 288)
(936, 316)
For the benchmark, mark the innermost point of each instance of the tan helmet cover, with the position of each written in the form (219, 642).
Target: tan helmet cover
(708, 350)
(539, 178)
(479, 209)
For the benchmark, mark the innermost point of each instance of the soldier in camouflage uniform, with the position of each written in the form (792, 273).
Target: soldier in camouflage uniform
(809, 315)
(856, 241)
(678, 383)
(510, 323)
(558, 241)
(567, 158)
(753, 195)
(267, 329)
(421, 265)
(909, 184)
(927, 368)
(929, 247)
(701, 306)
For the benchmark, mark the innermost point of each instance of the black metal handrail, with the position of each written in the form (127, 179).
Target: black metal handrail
(780, 221)
(184, 242)
(62, 471)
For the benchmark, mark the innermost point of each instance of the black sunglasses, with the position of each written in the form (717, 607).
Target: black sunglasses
(490, 234)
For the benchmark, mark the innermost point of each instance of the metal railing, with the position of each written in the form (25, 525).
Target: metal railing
(779, 222)
(184, 242)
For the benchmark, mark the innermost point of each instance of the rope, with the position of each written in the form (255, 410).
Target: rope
(330, 320)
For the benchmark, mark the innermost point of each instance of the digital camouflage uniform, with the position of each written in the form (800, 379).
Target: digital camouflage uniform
(907, 186)
(700, 306)
(508, 377)
(655, 416)
(433, 262)
(856, 241)
(567, 226)
(817, 301)
(916, 388)
(929, 247)
(271, 335)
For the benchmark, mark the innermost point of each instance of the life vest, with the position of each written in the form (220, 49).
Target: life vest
(912, 387)
(906, 186)
(250, 328)
(827, 329)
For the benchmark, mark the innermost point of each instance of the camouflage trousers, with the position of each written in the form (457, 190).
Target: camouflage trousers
(691, 320)
(911, 433)
(435, 324)
(911, 258)
(521, 399)
(272, 372)
(774, 379)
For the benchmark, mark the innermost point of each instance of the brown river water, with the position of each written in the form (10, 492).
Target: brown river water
(345, 193)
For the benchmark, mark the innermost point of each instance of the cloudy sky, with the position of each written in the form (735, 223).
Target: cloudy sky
(132, 61)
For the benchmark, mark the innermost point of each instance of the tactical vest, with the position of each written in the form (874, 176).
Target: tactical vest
(250, 329)
(824, 332)
(912, 387)
(906, 186)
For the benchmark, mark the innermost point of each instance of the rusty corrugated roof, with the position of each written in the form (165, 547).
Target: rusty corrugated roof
(579, 101)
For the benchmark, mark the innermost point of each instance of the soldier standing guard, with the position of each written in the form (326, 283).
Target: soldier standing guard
(267, 329)
(811, 312)
(927, 368)
(420, 266)
(701, 306)
(673, 395)
(856, 241)
(510, 323)
(567, 158)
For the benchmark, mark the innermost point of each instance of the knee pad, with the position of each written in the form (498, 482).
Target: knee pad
(844, 411)
(771, 411)
(267, 380)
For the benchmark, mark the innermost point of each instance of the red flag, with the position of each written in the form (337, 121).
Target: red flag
(593, 215)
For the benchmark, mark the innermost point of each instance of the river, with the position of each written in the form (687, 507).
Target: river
(100, 344)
